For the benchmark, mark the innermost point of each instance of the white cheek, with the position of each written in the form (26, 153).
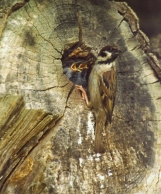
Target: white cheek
(109, 55)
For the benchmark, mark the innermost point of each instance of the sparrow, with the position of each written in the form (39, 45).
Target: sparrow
(77, 62)
(76, 72)
(102, 91)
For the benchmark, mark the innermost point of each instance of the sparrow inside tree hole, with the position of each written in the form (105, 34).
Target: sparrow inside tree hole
(77, 61)
(96, 78)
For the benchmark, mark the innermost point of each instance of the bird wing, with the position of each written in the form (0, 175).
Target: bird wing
(108, 91)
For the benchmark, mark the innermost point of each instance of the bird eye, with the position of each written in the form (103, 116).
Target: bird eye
(110, 49)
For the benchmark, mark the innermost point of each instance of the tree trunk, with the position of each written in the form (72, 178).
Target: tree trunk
(47, 142)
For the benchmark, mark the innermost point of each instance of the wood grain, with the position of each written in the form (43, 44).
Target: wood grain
(40, 155)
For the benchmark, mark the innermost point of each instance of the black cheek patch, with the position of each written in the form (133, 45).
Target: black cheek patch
(102, 54)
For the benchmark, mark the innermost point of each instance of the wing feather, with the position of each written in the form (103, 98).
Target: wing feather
(108, 91)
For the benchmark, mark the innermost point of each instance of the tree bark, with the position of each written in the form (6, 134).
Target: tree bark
(46, 141)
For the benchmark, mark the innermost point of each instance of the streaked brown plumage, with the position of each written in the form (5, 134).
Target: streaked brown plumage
(78, 67)
(102, 91)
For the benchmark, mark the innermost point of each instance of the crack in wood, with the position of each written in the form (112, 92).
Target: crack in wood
(17, 6)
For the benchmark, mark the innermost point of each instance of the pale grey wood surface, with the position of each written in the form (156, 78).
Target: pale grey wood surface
(60, 158)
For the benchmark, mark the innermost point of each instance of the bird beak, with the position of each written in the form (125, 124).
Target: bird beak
(74, 68)
(83, 66)
(115, 54)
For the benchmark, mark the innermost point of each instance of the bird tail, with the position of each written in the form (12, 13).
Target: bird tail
(99, 147)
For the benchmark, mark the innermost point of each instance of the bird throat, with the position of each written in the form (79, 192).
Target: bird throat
(108, 61)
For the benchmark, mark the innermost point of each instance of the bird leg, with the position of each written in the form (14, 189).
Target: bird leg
(84, 94)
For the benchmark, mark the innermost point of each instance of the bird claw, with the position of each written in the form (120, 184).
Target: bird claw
(82, 90)
(84, 95)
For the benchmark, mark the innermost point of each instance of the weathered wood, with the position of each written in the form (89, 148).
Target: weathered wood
(21, 130)
(62, 160)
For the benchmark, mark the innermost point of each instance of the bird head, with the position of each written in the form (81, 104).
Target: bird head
(108, 54)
